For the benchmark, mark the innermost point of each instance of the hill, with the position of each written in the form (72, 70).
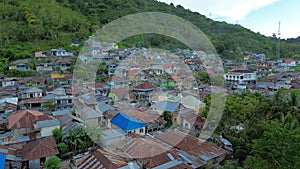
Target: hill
(28, 26)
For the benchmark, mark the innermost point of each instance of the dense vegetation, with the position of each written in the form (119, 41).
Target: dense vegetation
(265, 132)
(28, 26)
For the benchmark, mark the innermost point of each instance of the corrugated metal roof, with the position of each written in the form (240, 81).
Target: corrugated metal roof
(47, 123)
(166, 106)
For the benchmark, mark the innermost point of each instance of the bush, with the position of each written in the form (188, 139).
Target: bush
(52, 162)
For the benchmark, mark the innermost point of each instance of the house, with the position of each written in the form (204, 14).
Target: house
(40, 54)
(239, 76)
(26, 121)
(37, 151)
(112, 136)
(198, 153)
(35, 81)
(129, 124)
(87, 99)
(8, 82)
(7, 105)
(60, 99)
(89, 115)
(60, 52)
(20, 67)
(62, 63)
(23, 127)
(143, 90)
(169, 68)
(136, 74)
(157, 70)
(104, 159)
(63, 81)
(166, 105)
(111, 68)
(9, 157)
(189, 119)
(192, 102)
(30, 93)
(44, 67)
(46, 126)
(150, 153)
(57, 74)
(153, 120)
(102, 107)
(107, 116)
(69, 122)
(119, 93)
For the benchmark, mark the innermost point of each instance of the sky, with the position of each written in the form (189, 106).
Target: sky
(261, 16)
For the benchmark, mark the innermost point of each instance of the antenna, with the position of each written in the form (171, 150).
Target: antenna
(278, 43)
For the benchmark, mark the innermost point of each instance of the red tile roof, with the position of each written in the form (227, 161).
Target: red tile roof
(44, 147)
(25, 118)
(145, 85)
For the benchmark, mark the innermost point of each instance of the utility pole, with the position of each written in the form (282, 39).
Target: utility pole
(278, 43)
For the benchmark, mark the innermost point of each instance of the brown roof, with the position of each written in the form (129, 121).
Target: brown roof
(110, 114)
(181, 166)
(193, 119)
(190, 144)
(145, 85)
(144, 115)
(120, 91)
(102, 159)
(63, 60)
(240, 71)
(44, 147)
(148, 151)
(36, 79)
(25, 118)
(133, 72)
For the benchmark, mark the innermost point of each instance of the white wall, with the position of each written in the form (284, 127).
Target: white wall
(47, 131)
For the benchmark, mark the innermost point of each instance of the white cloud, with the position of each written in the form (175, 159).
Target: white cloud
(231, 9)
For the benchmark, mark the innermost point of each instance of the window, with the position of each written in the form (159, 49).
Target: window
(141, 130)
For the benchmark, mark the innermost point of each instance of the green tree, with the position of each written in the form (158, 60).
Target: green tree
(278, 147)
(52, 162)
(94, 132)
(168, 118)
(57, 134)
(62, 147)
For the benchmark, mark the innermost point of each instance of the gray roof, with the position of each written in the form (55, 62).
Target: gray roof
(12, 100)
(47, 123)
(168, 164)
(104, 107)
(71, 126)
(49, 97)
(112, 133)
(166, 106)
(60, 112)
(32, 90)
(88, 113)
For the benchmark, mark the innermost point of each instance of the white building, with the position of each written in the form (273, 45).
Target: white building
(241, 76)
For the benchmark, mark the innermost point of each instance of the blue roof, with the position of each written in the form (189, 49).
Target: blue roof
(127, 122)
(2, 160)
(166, 106)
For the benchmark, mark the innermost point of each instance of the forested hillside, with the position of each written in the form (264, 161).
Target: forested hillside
(27, 26)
